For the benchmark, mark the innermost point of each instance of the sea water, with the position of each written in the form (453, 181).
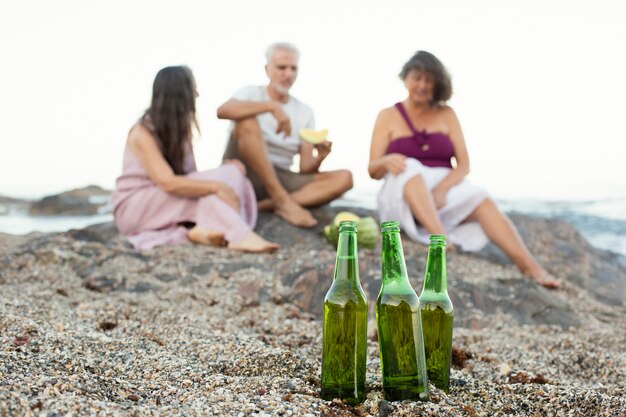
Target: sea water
(601, 221)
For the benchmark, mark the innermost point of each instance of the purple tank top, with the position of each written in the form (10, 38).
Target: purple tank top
(431, 149)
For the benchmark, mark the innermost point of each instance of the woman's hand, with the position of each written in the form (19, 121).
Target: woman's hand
(228, 195)
(439, 195)
(394, 163)
(238, 164)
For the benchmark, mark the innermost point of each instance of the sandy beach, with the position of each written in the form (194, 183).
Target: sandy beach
(91, 327)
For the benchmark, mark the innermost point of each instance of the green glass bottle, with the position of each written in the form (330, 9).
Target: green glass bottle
(344, 352)
(399, 325)
(437, 315)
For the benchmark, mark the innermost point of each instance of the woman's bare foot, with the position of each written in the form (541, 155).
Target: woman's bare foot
(293, 213)
(206, 237)
(254, 243)
(543, 278)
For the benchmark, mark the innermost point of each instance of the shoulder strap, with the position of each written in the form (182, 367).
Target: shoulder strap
(405, 116)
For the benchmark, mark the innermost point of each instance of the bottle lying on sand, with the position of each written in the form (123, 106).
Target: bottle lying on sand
(437, 315)
(399, 325)
(344, 352)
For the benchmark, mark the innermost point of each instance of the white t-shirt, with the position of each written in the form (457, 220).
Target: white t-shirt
(281, 149)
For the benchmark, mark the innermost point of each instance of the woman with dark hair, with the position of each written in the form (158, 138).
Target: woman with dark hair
(418, 148)
(160, 197)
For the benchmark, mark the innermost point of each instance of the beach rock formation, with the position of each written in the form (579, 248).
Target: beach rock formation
(89, 325)
(9, 205)
(79, 202)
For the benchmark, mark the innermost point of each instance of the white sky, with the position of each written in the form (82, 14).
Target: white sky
(539, 85)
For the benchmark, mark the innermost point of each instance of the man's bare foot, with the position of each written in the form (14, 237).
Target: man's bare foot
(254, 243)
(293, 213)
(265, 205)
(206, 237)
(543, 278)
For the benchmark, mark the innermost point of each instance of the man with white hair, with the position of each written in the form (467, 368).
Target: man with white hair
(264, 136)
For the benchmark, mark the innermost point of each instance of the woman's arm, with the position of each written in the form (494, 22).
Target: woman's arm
(380, 163)
(462, 168)
(144, 146)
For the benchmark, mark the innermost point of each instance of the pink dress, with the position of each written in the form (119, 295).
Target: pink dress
(152, 217)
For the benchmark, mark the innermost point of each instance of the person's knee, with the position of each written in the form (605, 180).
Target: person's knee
(486, 209)
(247, 128)
(415, 182)
(344, 179)
(341, 182)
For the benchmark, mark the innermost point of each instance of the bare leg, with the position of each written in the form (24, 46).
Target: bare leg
(253, 150)
(254, 243)
(501, 231)
(325, 187)
(422, 205)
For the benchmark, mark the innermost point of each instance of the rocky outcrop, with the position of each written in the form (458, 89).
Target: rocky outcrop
(10, 205)
(480, 285)
(90, 326)
(79, 202)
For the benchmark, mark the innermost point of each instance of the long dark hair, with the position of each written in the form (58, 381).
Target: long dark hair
(172, 113)
(427, 62)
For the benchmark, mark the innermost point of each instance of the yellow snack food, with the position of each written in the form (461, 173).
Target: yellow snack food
(314, 137)
(345, 215)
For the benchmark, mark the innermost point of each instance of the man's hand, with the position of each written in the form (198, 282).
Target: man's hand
(323, 149)
(284, 124)
(394, 163)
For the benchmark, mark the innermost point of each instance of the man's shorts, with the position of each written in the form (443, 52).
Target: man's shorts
(291, 181)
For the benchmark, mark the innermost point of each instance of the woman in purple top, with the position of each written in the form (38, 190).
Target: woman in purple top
(418, 148)
(161, 197)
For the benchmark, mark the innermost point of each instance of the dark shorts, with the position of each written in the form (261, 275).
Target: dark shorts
(291, 181)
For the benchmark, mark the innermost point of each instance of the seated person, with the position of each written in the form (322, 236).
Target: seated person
(264, 136)
(413, 146)
(160, 190)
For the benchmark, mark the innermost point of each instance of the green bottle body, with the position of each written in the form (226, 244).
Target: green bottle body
(399, 325)
(437, 314)
(344, 351)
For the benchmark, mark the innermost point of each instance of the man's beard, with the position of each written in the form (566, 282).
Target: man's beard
(281, 89)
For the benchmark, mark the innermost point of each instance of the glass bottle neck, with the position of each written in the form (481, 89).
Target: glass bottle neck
(435, 278)
(347, 263)
(393, 263)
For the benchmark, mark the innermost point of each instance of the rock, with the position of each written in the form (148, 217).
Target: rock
(250, 293)
(460, 357)
(504, 369)
(384, 408)
(107, 325)
(10, 205)
(305, 289)
(79, 202)
(104, 284)
(134, 397)
(482, 286)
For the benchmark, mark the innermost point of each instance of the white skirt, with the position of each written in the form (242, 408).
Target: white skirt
(461, 200)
